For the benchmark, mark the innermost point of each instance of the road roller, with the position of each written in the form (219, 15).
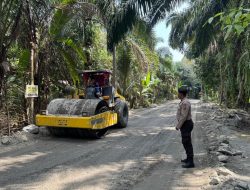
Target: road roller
(94, 108)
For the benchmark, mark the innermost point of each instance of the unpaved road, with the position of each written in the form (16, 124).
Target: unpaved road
(145, 155)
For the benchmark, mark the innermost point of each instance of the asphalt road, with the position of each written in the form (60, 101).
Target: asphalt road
(145, 155)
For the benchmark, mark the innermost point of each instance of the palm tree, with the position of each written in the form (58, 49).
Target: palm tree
(190, 26)
(192, 33)
(118, 17)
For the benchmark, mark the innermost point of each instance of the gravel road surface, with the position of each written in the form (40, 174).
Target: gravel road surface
(145, 155)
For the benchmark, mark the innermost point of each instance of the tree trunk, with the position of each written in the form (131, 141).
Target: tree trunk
(2, 73)
(221, 85)
(32, 64)
(114, 67)
(33, 57)
(240, 99)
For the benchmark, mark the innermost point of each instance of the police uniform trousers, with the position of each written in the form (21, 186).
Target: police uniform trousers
(186, 130)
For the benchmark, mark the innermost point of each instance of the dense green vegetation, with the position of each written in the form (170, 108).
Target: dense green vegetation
(61, 37)
(216, 35)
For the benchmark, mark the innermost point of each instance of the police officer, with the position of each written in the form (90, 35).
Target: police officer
(185, 125)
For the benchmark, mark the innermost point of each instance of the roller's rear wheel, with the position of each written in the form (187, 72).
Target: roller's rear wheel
(121, 108)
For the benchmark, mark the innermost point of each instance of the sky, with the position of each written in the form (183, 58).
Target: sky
(163, 32)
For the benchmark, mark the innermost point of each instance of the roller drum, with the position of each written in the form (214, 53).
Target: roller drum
(74, 107)
(77, 108)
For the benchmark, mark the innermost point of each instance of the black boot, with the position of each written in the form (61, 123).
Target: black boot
(189, 163)
(184, 160)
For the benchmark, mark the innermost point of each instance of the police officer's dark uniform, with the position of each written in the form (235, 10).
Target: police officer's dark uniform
(185, 124)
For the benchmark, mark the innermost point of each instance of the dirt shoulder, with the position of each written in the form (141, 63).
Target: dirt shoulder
(228, 138)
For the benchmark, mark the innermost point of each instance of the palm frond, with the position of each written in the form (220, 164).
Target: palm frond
(160, 9)
(72, 10)
(138, 54)
(71, 65)
(190, 26)
(125, 15)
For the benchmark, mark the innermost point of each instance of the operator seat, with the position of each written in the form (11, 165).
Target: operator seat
(109, 91)
(91, 93)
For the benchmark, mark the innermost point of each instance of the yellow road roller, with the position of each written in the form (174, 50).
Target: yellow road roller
(88, 114)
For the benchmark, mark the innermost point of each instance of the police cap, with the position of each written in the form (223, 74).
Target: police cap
(183, 90)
